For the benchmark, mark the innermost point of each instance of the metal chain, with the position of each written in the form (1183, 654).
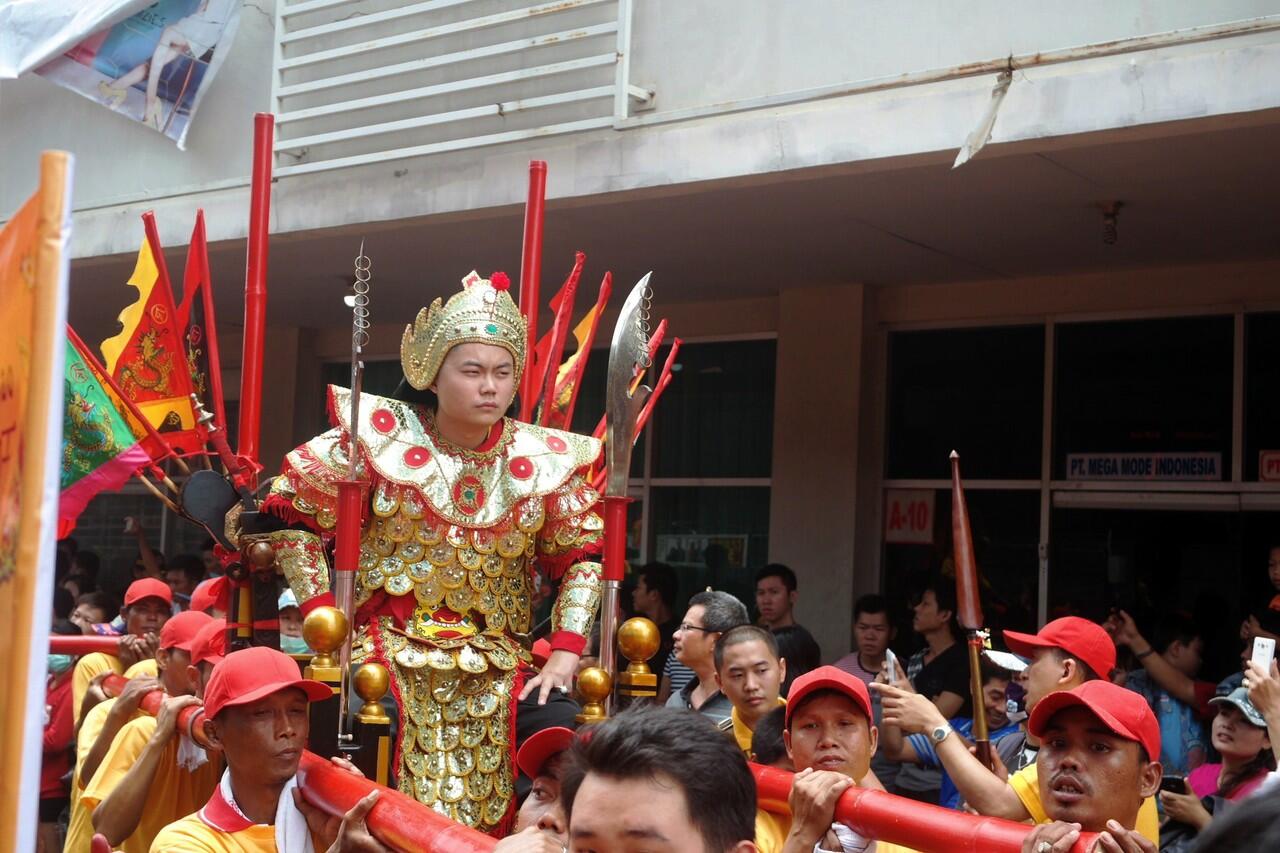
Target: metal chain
(360, 301)
(646, 312)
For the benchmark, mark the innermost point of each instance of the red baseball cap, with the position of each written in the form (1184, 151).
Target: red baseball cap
(148, 588)
(540, 747)
(1122, 710)
(248, 675)
(1079, 638)
(211, 592)
(180, 631)
(828, 678)
(210, 642)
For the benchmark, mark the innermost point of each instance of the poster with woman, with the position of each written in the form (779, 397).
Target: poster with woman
(153, 66)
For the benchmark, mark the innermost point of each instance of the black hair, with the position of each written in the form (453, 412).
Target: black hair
(63, 602)
(88, 563)
(872, 603)
(1268, 619)
(989, 670)
(661, 577)
(107, 603)
(1174, 627)
(648, 743)
(800, 650)
(1263, 762)
(744, 634)
(189, 564)
(778, 570)
(1086, 671)
(945, 594)
(721, 611)
(767, 746)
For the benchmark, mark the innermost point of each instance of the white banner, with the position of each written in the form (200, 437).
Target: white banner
(154, 66)
(1144, 466)
(34, 31)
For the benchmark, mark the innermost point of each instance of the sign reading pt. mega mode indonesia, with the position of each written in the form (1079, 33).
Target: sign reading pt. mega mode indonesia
(1144, 466)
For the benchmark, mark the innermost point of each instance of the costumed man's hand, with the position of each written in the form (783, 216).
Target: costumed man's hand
(556, 675)
(910, 712)
(530, 840)
(813, 803)
(167, 719)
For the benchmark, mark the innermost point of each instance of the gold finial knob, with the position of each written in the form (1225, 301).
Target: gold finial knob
(371, 681)
(595, 685)
(262, 555)
(325, 629)
(639, 640)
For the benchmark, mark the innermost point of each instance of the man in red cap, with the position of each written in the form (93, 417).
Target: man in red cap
(1065, 654)
(830, 739)
(1097, 745)
(210, 596)
(540, 823)
(256, 715)
(136, 777)
(148, 603)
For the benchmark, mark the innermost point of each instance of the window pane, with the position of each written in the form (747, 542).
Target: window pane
(1006, 537)
(1144, 386)
(714, 537)
(716, 417)
(1261, 400)
(977, 391)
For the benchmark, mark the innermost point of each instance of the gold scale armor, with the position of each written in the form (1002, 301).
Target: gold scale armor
(444, 581)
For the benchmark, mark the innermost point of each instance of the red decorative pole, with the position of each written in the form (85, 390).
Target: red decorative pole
(897, 820)
(255, 287)
(530, 279)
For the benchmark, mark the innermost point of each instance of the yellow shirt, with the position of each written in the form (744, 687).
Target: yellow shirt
(741, 733)
(1026, 784)
(173, 792)
(80, 827)
(192, 835)
(772, 830)
(92, 665)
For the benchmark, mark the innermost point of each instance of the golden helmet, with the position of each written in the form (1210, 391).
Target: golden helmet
(482, 313)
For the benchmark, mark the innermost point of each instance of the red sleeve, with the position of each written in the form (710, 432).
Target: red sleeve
(1204, 691)
(569, 641)
(59, 733)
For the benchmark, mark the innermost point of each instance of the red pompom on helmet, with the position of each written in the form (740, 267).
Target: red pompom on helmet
(500, 281)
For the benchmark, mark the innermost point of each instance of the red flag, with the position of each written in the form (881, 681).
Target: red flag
(568, 378)
(196, 315)
(147, 359)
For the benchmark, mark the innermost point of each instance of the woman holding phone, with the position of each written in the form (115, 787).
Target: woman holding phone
(1240, 737)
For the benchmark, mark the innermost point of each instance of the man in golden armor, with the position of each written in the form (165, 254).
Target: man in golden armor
(461, 502)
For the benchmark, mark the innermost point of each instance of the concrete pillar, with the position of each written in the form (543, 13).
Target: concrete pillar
(815, 453)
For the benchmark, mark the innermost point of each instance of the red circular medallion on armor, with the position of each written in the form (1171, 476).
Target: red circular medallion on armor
(383, 421)
(468, 494)
(521, 468)
(416, 457)
(557, 443)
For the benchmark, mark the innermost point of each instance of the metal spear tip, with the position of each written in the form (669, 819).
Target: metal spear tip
(954, 455)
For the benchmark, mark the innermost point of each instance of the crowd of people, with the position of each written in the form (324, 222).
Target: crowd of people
(1152, 755)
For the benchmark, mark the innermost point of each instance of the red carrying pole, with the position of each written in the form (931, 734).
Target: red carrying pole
(897, 820)
(255, 288)
(530, 279)
(396, 820)
(84, 644)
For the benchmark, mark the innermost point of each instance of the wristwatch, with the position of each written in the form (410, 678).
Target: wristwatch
(939, 734)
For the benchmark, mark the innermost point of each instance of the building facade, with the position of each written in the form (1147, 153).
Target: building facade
(1083, 310)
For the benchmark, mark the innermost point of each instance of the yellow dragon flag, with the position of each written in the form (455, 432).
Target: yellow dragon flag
(33, 307)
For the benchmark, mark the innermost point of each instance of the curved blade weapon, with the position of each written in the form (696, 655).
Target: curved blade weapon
(624, 400)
